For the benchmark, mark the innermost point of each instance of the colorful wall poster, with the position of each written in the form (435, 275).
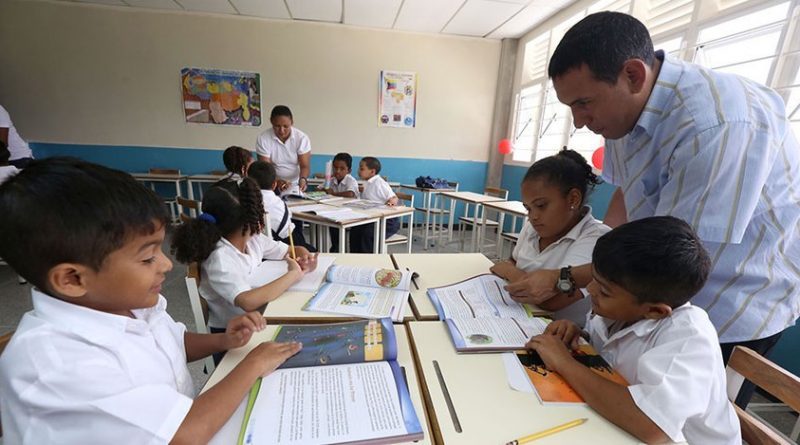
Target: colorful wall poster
(398, 99)
(221, 97)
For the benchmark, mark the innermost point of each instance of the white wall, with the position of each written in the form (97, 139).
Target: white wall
(86, 74)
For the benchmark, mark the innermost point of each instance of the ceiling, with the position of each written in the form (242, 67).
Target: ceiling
(493, 19)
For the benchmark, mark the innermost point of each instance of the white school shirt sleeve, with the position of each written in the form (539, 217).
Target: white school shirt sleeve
(350, 184)
(717, 189)
(303, 143)
(524, 239)
(263, 145)
(674, 382)
(225, 276)
(5, 118)
(271, 249)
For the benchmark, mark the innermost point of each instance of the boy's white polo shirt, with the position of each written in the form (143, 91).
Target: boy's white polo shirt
(76, 375)
(347, 184)
(377, 189)
(275, 208)
(573, 249)
(224, 275)
(675, 371)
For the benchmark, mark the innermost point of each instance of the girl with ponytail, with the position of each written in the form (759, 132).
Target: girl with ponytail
(560, 230)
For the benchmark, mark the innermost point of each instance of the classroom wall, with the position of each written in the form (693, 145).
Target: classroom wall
(103, 83)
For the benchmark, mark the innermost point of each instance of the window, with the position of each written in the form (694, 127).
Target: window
(671, 46)
(556, 119)
(536, 52)
(526, 125)
(667, 15)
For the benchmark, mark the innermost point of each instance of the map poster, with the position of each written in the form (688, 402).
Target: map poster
(398, 99)
(221, 97)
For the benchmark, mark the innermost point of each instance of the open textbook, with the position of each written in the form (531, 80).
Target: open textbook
(344, 387)
(527, 373)
(329, 212)
(367, 292)
(482, 317)
(270, 270)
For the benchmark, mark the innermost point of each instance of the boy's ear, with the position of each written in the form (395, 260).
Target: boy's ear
(657, 311)
(68, 279)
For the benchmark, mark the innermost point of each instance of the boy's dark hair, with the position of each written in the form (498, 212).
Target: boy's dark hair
(604, 41)
(236, 158)
(658, 259)
(263, 173)
(281, 110)
(65, 210)
(344, 157)
(230, 207)
(566, 170)
(372, 163)
(4, 153)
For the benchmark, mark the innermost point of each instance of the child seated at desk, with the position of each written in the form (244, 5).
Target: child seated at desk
(237, 161)
(227, 242)
(645, 272)
(362, 237)
(279, 214)
(342, 184)
(560, 230)
(98, 359)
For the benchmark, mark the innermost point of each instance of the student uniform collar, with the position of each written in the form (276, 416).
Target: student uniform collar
(97, 326)
(373, 179)
(270, 193)
(641, 328)
(224, 241)
(291, 137)
(662, 95)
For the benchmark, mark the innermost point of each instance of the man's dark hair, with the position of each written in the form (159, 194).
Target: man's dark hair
(346, 158)
(604, 41)
(658, 259)
(65, 210)
(372, 163)
(263, 173)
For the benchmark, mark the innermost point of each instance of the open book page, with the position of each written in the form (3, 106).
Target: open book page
(340, 343)
(363, 204)
(269, 271)
(333, 404)
(341, 214)
(310, 208)
(370, 277)
(550, 387)
(493, 334)
(480, 296)
(359, 301)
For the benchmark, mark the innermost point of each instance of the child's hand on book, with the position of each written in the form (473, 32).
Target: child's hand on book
(241, 328)
(566, 331)
(294, 268)
(551, 349)
(269, 355)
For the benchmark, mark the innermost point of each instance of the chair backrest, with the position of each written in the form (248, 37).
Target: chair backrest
(453, 184)
(218, 172)
(191, 204)
(164, 171)
(319, 175)
(185, 218)
(407, 198)
(193, 273)
(496, 192)
(747, 364)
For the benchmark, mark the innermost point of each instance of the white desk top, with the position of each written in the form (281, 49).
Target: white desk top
(471, 197)
(439, 269)
(230, 430)
(158, 176)
(513, 207)
(489, 411)
(426, 189)
(288, 308)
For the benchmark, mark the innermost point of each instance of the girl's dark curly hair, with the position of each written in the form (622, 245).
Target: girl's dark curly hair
(236, 159)
(231, 207)
(566, 170)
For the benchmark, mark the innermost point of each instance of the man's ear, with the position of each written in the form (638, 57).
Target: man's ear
(69, 279)
(657, 311)
(634, 72)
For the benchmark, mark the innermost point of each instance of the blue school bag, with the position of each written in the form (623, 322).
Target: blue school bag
(430, 183)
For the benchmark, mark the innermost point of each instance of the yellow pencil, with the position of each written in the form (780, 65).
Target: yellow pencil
(291, 246)
(540, 434)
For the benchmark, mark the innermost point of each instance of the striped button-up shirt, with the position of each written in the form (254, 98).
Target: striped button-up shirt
(716, 150)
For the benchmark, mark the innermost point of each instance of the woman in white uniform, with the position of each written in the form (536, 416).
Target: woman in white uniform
(288, 148)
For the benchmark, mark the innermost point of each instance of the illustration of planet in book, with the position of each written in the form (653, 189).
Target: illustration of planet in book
(354, 298)
(479, 339)
(388, 277)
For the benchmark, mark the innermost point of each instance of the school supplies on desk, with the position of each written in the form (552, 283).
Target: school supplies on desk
(344, 386)
(549, 386)
(366, 292)
(547, 432)
(482, 317)
(270, 270)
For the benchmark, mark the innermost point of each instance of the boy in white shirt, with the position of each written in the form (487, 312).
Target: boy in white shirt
(362, 237)
(342, 184)
(279, 214)
(98, 359)
(645, 272)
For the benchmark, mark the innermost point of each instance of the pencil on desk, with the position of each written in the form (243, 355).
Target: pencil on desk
(291, 247)
(547, 432)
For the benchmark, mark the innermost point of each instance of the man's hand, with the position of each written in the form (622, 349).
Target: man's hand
(535, 287)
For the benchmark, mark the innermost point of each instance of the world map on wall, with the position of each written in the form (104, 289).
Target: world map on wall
(221, 97)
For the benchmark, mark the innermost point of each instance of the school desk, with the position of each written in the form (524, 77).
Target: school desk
(199, 179)
(428, 207)
(513, 208)
(321, 226)
(468, 198)
(438, 269)
(288, 308)
(150, 178)
(230, 431)
(484, 405)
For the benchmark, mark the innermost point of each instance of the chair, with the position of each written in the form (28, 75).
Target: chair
(218, 172)
(4, 339)
(747, 364)
(191, 204)
(199, 306)
(20, 279)
(436, 212)
(399, 238)
(467, 220)
(512, 236)
(171, 202)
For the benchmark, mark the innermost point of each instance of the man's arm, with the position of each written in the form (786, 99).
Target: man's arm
(540, 285)
(616, 214)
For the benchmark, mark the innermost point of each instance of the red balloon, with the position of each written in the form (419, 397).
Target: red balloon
(505, 147)
(597, 157)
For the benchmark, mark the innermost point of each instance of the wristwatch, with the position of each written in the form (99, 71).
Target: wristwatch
(565, 283)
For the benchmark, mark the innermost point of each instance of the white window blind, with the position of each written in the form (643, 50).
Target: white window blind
(526, 123)
(556, 119)
(666, 15)
(535, 62)
(611, 5)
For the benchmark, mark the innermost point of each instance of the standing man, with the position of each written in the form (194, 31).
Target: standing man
(21, 153)
(713, 149)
